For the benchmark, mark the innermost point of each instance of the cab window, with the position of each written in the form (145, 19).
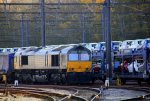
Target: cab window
(73, 56)
(84, 56)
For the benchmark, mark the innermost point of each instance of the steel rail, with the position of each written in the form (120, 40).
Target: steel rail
(29, 93)
(39, 92)
(78, 98)
(97, 95)
(147, 97)
(98, 91)
(70, 96)
(66, 97)
(76, 91)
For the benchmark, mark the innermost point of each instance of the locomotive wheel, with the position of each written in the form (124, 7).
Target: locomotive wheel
(139, 82)
(93, 81)
(63, 78)
(123, 81)
(49, 78)
(148, 80)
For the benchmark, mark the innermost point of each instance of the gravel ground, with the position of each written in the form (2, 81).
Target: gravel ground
(20, 98)
(119, 94)
(59, 91)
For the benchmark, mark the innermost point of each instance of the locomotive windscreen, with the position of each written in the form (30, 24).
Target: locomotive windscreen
(73, 56)
(85, 56)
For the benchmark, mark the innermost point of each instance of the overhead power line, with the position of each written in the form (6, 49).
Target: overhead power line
(62, 12)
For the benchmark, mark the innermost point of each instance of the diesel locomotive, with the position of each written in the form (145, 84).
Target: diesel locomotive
(57, 64)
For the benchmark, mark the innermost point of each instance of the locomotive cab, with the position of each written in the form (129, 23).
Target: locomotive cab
(79, 60)
(79, 65)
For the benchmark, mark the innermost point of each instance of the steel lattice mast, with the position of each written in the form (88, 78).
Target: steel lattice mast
(107, 37)
(43, 22)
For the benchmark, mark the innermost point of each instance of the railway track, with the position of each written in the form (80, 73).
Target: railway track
(53, 94)
(87, 93)
(70, 93)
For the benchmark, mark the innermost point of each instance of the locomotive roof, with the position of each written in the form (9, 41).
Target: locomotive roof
(43, 51)
(66, 49)
(79, 47)
(27, 51)
(60, 48)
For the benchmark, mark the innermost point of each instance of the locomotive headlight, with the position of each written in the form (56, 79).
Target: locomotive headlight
(71, 69)
(87, 69)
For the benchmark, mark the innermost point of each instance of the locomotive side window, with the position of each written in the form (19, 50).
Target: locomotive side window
(24, 60)
(55, 60)
(73, 56)
(85, 56)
